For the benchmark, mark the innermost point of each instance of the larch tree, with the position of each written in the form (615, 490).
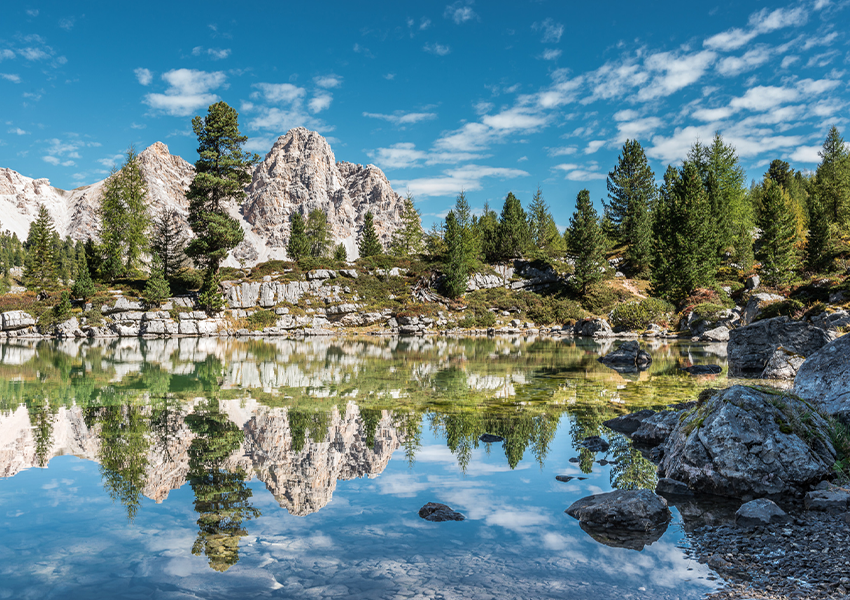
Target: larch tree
(221, 172)
(299, 245)
(632, 192)
(586, 243)
(40, 267)
(407, 240)
(318, 232)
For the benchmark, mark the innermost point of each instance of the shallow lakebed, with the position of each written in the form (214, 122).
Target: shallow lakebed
(220, 468)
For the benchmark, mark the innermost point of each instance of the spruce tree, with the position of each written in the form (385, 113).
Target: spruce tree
(369, 244)
(407, 240)
(663, 271)
(632, 191)
(832, 179)
(586, 243)
(318, 233)
(488, 232)
(819, 248)
(135, 195)
(514, 237)
(40, 267)
(340, 253)
(157, 288)
(776, 250)
(168, 241)
(298, 246)
(457, 259)
(221, 172)
(546, 240)
(83, 285)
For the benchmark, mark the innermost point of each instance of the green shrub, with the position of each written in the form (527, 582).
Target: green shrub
(478, 320)
(782, 308)
(94, 318)
(551, 310)
(601, 298)
(260, 319)
(187, 280)
(637, 316)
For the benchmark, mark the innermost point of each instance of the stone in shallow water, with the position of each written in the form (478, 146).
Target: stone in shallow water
(595, 444)
(436, 512)
(759, 513)
(489, 438)
(564, 478)
(703, 369)
(623, 518)
(628, 424)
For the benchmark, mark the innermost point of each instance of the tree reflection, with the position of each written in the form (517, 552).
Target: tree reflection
(307, 422)
(632, 470)
(586, 423)
(41, 418)
(221, 495)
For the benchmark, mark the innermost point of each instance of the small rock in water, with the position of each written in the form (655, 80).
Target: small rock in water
(489, 438)
(703, 369)
(564, 478)
(436, 512)
(595, 444)
(574, 459)
(759, 513)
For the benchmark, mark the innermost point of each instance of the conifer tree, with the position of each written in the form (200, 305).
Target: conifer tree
(221, 173)
(156, 288)
(631, 189)
(832, 179)
(819, 247)
(586, 243)
(40, 267)
(457, 260)
(168, 242)
(318, 233)
(407, 240)
(546, 240)
(488, 232)
(369, 244)
(298, 246)
(83, 285)
(340, 253)
(776, 250)
(663, 271)
(513, 235)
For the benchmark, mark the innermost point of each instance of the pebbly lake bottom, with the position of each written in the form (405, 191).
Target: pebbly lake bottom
(206, 468)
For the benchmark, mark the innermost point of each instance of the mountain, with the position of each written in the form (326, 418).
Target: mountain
(300, 173)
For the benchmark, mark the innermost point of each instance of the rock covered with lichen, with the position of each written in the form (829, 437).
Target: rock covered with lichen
(745, 442)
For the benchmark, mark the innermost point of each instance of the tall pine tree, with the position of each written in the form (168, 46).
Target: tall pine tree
(514, 237)
(546, 240)
(299, 245)
(407, 240)
(832, 180)
(40, 265)
(369, 244)
(631, 189)
(168, 241)
(318, 233)
(221, 173)
(586, 243)
(776, 249)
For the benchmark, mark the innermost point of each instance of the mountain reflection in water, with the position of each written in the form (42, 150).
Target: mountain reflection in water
(301, 416)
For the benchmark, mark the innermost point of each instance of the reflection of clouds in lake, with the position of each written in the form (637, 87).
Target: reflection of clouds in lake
(441, 454)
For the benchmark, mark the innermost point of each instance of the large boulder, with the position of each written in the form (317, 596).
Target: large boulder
(593, 328)
(623, 518)
(17, 319)
(783, 364)
(629, 357)
(759, 513)
(746, 442)
(751, 347)
(824, 378)
(655, 430)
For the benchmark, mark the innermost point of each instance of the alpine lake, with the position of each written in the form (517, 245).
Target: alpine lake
(277, 468)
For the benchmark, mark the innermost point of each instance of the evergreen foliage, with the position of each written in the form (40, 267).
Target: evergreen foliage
(546, 240)
(407, 240)
(40, 268)
(298, 246)
(340, 253)
(369, 244)
(457, 266)
(776, 249)
(221, 172)
(488, 232)
(632, 191)
(819, 247)
(586, 243)
(168, 242)
(156, 289)
(83, 285)
(513, 234)
(318, 233)
(832, 179)
(62, 311)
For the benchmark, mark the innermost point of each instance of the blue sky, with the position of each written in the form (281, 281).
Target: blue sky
(489, 97)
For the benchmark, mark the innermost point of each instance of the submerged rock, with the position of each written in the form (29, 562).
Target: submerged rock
(628, 357)
(623, 518)
(564, 478)
(751, 347)
(629, 423)
(595, 444)
(740, 442)
(703, 369)
(437, 513)
(824, 378)
(671, 487)
(759, 513)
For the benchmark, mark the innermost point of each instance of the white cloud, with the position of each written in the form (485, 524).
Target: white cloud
(67, 24)
(51, 159)
(188, 91)
(674, 72)
(594, 146)
(144, 76)
(6, 53)
(516, 118)
(18, 131)
(111, 161)
(562, 151)
(819, 4)
(822, 60)
(10, 77)
(33, 53)
(278, 92)
(764, 97)
(467, 178)
(734, 65)
(709, 115)
(214, 53)
(405, 155)
(33, 12)
(551, 30)
(328, 81)
(259, 144)
(817, 86)
(765, 21)
(438, 49)
(402, 118)
(550, 54)
(822, 40)
(283, 120)
(806, 154)
(729, 40)
(460, 12)
(320, 102)
(137, 125)
(675, 147)
(579, 172)
(626, 115)
(636, 128)
(389, 76)
(789, 60)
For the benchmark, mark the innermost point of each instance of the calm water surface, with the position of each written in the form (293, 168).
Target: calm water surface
(212, 468)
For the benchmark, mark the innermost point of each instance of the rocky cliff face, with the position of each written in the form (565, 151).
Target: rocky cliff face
(299, 174)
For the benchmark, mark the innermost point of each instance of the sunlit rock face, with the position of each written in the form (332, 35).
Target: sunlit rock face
(299, 174)
(304, 481)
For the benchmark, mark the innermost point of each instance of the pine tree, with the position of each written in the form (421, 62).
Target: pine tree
(832, 179)
(221, 173)
(83, 285)
(488, 233)
(631, 188)
(457, 260)
(407, 240)
(168, 241)
(776, 251)
(156, 288)
(369, 244)
(298, 246)
(546, 240)
(513, 235)
(819, 248)
(340, 253)
(318, 233)
(663, 271)
(135, 194)
(40, 267)
(586, 243)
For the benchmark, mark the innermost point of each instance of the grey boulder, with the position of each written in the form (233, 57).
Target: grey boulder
(783, 364)
(592, 328)
(623, 518)
(834, 501)
(740, 442)
(655, 430)
(628, 357)
(759, 513)
(629, 423)
(751, 347)
(824, 378)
